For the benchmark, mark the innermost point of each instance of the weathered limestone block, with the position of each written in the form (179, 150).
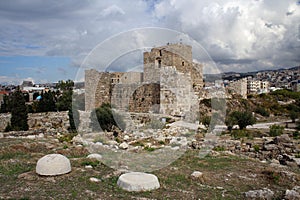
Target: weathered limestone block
(52, 165)
(138, 181)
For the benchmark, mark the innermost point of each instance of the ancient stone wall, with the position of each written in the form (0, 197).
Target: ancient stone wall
(91, 79)
(105, 87)
(121, 94)
(177, 97)
(139, 92)
(4, 120)
(177, 55)
(145, 98)
(46, 122)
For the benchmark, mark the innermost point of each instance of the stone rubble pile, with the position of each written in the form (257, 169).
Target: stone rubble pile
(281, 149)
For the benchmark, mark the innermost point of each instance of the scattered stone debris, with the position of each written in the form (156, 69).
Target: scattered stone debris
(124, 145)
(263, 194)
(95, 156)
(196, 175)
(293, 194)
(52, 165)
(95, 180)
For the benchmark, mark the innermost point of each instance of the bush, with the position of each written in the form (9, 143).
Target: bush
(256, 148)
(107, 119)
(237, 134)
(205, 120)
(293, 115)
(296, 135)
(276, 130)
(262, 111)
(155, 124)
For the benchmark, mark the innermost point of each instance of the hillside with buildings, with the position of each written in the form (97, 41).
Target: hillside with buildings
(233, 138)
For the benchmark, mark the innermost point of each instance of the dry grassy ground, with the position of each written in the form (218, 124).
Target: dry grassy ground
(225, 176)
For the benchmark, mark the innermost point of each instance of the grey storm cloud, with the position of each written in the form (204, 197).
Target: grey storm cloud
(238, 34)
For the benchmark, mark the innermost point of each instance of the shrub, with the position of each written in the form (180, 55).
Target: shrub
(155, 124)
(296, 135)
(256, 148)
(149, 148)
(107, 119)
(205, 120)
(262, 111)
(293, 115)
(276, 130)
(237, 134)
(218, 148)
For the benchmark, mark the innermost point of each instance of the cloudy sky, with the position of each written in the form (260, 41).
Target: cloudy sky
(47, 41)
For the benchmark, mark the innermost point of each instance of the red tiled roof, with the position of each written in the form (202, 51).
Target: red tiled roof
(4, 92)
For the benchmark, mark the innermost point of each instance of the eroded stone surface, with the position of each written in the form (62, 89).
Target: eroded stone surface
(52, 165)
(138, 181)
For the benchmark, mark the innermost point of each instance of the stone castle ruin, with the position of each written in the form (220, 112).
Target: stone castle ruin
(170, 84)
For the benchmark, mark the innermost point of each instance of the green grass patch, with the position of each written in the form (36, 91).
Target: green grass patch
(10, 155)
(93, 163)
(15, 168)
(219, 148)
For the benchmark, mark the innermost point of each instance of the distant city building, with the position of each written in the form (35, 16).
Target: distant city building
(295, 86)
(26, 84)
(2, 94)
(239, 87)
(257, 86)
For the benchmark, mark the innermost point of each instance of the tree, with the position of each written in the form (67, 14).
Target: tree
(47, 103)
(242, 119)
(64, 86)
(5, 105)
(64, 102)
(230, 122)
(19, 114)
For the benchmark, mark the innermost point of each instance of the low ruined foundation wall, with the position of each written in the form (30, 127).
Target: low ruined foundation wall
(48, 121)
